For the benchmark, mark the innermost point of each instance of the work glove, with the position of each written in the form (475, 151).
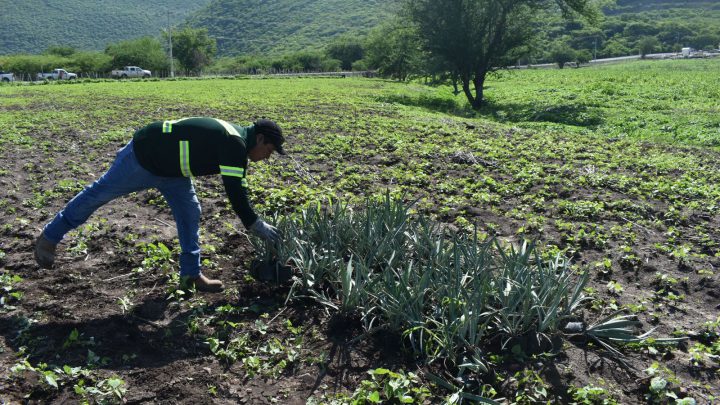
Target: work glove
(265, 231)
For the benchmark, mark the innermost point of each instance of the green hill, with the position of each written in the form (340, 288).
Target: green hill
(30, 26)
(626, 24)
(277, 26)
(271, 27)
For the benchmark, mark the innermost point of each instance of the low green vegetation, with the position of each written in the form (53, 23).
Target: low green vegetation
(409, 214)
(83, 381)
(671, 101)
(591, 395)
(9, 294)
(384, 386)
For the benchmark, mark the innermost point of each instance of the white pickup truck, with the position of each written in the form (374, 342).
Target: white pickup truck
(130, 71)
(6, 77)
(57, 74)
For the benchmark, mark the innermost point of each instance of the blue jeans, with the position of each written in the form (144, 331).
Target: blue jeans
(126, 176)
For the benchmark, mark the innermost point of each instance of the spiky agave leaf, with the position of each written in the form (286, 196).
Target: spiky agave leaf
(620, 329)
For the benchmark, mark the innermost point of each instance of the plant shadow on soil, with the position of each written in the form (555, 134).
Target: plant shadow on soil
(442, 104)
(566, 113)
(572, 114)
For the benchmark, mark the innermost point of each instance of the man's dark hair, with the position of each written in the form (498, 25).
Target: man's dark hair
(272, 133)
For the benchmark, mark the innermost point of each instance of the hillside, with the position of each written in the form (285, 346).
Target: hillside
(272, 27)
(30, 26)
(277, 26)
(672, 24)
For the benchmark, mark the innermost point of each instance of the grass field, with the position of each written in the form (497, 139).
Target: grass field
(614, 167)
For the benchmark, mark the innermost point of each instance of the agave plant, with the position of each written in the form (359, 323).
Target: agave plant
(535, 296)
(445, 293)
(620, 329)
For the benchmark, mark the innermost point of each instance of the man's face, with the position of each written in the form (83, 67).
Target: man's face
(262, 150)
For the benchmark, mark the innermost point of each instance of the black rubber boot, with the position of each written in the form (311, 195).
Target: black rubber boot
(44, 252)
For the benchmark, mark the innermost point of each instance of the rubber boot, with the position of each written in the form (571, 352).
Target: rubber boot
(44, 252)
(204, 284)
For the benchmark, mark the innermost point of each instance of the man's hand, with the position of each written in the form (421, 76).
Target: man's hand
(265, 231)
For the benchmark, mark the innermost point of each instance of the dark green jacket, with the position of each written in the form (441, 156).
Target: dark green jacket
(198, 147)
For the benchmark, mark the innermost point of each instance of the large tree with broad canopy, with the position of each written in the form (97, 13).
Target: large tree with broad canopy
(476, 37)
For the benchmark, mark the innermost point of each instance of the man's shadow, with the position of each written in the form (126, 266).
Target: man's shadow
(146, 336)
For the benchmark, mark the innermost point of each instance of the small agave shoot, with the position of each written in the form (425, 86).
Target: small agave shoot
(271, 268)
(452, 297)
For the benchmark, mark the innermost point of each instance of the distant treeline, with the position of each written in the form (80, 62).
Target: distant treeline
(193, 59)
(194, 53)
(146, 52)
(628, 27)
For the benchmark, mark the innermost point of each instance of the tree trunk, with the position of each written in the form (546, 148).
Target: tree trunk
(455, 80)
(479, 82)
(466, 90)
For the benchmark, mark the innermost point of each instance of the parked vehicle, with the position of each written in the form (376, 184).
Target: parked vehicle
(57, 74)
(7, 77)
(130, 71)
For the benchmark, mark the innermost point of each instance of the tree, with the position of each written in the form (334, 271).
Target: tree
(615, 46)
(582, 57)
(193, 48)
(146, 52)
(346, 49)
(674, 34)
(647, 45)
(704, 40)
(561, 54)
(91, 62)
(245, 64)
(306, 61)
(477, 37)
(586, 38)
(640, 29)
(392, 48)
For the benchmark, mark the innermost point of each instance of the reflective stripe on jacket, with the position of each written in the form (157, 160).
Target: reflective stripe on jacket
(198, 147)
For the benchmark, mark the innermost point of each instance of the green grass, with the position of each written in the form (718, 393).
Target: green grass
(675, 100)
